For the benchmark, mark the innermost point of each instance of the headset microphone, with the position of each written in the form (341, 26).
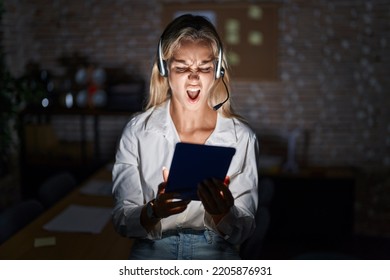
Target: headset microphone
(219, 105)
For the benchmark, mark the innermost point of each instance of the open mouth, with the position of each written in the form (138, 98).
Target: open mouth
(193, 94)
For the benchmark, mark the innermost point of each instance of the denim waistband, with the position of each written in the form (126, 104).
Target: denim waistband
(206, 233)
(178, 231)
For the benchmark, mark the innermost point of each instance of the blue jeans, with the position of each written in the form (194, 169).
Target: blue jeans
(185, 244)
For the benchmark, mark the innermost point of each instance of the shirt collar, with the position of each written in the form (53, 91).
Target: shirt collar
(160, 119)
(225, 132)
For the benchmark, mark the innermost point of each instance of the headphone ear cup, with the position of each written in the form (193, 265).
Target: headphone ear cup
(222, 72)
(219, 71)
(162, 64)
(217, 74)
(164, 71)
(162, 68)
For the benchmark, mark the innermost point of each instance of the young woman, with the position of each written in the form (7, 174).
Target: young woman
(188, 102)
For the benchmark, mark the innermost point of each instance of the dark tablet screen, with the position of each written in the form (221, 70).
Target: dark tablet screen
(193, 163)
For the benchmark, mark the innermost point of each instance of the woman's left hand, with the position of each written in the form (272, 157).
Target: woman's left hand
(216, 197)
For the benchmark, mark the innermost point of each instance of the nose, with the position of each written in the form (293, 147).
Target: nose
(193, 75)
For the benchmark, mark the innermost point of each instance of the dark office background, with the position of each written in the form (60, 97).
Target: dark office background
(323, 121)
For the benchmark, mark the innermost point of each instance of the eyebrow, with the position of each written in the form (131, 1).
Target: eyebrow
(182, 61)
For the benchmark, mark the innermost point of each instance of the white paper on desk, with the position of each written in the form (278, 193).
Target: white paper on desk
(97, 187)
(78, 218)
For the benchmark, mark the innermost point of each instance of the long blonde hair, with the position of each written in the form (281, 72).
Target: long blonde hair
(195, 29)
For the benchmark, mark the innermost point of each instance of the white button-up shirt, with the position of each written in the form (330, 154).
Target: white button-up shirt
(147, 145)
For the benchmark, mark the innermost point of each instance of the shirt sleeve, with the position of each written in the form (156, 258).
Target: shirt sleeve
(239, 223)
(127, 190)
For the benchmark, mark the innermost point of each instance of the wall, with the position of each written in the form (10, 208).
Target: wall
(333, 87)
(333, 66)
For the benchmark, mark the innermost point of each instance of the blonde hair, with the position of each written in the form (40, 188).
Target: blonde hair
(194, 29)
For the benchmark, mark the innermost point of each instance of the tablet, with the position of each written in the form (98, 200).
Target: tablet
(193, 163)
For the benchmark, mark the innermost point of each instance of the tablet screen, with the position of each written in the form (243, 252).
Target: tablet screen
(193, 163)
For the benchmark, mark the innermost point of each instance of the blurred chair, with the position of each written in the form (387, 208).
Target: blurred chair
(14, 218)
(251, 249)
(56, 187)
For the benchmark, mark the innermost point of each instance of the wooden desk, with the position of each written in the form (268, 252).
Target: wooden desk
(69, 246)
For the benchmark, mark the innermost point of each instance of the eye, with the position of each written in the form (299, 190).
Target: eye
(180, 69)
(205, 70)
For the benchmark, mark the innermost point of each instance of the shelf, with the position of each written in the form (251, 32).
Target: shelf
(43, 152)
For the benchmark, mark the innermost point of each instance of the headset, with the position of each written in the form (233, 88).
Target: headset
(219, 70)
